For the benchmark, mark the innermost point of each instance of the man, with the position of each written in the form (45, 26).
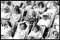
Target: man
(22, 30)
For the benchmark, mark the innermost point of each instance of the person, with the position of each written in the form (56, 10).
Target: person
(35, 33)
(22, 31)
(52, 34)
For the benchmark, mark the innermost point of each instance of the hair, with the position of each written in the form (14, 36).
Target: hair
(41, 4)
(6, 9)
(18, 11)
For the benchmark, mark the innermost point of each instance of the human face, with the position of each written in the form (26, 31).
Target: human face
(22, 27)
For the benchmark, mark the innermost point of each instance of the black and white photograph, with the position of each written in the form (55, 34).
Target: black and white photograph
(30, 19)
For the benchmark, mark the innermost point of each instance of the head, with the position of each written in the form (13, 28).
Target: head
(56, 34)
(36, 28)
(23, 26)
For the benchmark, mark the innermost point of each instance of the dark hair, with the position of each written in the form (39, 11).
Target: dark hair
(9, 3)
(41, 4)
(17, 9)
(31, 37)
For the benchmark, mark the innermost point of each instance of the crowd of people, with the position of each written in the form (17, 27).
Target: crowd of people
(29, 20)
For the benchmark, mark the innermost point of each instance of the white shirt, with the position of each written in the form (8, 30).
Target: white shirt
(43, 22)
